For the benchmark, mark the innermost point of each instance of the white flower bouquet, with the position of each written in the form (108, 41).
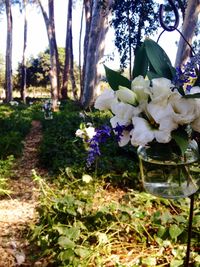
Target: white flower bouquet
(160, 105)
(158, 112)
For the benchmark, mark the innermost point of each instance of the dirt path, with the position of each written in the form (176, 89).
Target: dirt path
(18, 211)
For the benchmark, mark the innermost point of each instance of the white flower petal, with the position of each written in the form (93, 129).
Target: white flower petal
(161, 89)
(118, 121)
(104, 101)
(126, 95)
(90, 131)
(124, 111)
(124, 139)
(185, 109)
(140, 87)
(141, 133)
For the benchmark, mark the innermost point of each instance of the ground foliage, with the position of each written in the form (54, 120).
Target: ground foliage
(98, 216)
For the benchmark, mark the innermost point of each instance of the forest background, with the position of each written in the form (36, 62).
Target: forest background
(61, 46)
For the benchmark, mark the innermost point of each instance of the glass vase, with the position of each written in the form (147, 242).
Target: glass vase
(169, 175)
(48, 115)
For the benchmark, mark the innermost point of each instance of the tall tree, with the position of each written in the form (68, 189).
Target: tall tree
(188, 31)
(132, 21)
(55, 68)
(69, 57)
(23, 66)
(8, 76)
(87, 6)
(94, 49)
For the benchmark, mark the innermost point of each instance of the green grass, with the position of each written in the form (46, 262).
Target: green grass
(97, 216)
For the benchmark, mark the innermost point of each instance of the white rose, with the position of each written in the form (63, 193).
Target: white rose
(104, 101)
(185, 109)
(161, 89)
(126, 95)
(140, 87)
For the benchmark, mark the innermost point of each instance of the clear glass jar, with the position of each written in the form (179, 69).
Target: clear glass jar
(171, 176)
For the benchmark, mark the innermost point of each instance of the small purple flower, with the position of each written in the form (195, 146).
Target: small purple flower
(100, 137)
(188, 71)
(119, 131)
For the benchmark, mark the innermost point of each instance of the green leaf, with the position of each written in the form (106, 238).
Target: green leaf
(140, 62)
(66, 255)
(174, 231)
(196, 221)
(176, 263)
(65, 242)
(197, 95)
(181, 138)
(150, 261)
(115, 79)
(159, 59)
(161, 231)
(181, 91)
(82, 252)
(152, 75)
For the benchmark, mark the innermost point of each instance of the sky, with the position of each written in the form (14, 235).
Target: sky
(37, 35)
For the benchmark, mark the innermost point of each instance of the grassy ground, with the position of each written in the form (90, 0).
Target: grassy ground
(100, 215)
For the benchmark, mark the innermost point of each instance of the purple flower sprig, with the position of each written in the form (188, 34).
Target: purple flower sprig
(119, 130)
(100, 137)
(189, 70)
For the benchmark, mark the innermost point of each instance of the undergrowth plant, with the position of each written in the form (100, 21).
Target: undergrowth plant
(15, 123)
(5, 172)
(61, 149)
(83, 223)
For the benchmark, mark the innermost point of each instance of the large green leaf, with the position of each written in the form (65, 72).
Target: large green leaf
(65, 242)
(158, 59)
(181, 138)
(197, 95)
(115, 79)
(175, 231)
(140, 62)
(152, 75)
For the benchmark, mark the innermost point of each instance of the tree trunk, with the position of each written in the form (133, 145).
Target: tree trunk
(189, 24)
(80, 49)
(64, 91)
(95, 51)
(71, 70)
(23, 84)
(88, 15)
(69, 58)
(8, 75)
(54, 60)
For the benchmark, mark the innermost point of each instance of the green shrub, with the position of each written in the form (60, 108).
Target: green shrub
(5, 171)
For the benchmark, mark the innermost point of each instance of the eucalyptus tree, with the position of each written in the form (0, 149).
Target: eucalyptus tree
(94, 46)
(132, 21)
(55, 68)
(188, 30)
(23, 68)
(9, 43)
(69, 58)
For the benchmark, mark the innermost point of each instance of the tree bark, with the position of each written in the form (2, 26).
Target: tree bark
(54, 60)
(88, 15)
(189, 24)
(23, 84)
(95, 50)
(69, 58)
(64, 91)
(8, 75)
(80, 48)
